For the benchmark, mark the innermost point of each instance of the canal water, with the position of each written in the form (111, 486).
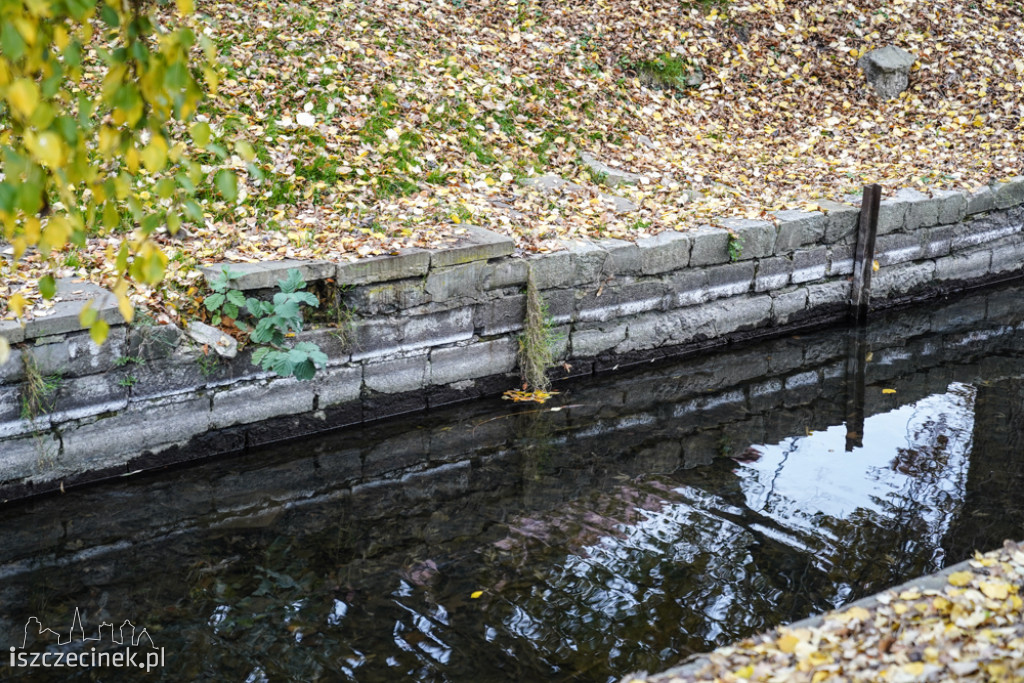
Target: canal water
(637, 518)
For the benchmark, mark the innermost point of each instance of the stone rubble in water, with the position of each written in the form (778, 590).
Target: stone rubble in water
(887, 70)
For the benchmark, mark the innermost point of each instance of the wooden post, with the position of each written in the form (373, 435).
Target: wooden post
(856, 371)
(864, 254)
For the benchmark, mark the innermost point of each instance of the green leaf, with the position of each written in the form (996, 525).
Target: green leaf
(292, 282)
(47, 286)
(201, 133)
(227, 184)
(213, 302)
(236, 297)
(304, 370)
(258, 354)
(230, 310)
(109, 16)
(11, 41)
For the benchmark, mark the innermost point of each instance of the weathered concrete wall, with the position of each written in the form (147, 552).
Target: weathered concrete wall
(423, 329)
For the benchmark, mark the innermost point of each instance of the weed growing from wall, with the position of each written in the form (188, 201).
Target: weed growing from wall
(536, 348)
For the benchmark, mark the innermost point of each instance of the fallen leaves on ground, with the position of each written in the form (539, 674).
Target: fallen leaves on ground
(971, 629)
(385, 124)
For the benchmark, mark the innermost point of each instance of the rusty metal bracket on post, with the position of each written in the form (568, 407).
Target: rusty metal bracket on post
(864, 254)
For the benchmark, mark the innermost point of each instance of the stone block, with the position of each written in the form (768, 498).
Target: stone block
(840, 260)
(901, 279)
(891, 215)
(71, 297)
(338, 385)
(1007, 255)
(505, 273)
(12, 331)
(615, 301)
(887, 70)
(952, 206)
(936, 241)
(647, 332)
(841, 221)
(1009, 193)
(397, 374)
(772, 273)
(212, 338)
(560, 304)
(78, 397)
(696, 323)
(809, 265)
(150, 342)
(740, 313)
(827, 296)
(710, 246)
(479, 359)
(385, 297)
(797, 229)
(409, 263)
(985, 229)
(474, 244)
(981, 201)
(374, 338)
(624, 257)
(463, 280)
(665, 252)
(437, 327)
(500, 316)
(964, 266)
(729, 279)
(589, 340)
(588, 261)
(921, 211)
(550, 271)
(148, 425)
(687, 287)
(267, 274)
(897, 248)
(756, 238)
(256, 400)
(76, 354)
(788, 305)
(609, 176)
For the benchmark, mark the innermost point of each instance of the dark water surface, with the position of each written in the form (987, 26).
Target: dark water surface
(639, 517)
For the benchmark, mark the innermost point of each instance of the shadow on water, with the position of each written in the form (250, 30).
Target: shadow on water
(643, 517)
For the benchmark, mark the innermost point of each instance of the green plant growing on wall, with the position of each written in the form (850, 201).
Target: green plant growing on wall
(735, 247)
(279, 319)
(225, 302)
(38, 392)
(536, 348)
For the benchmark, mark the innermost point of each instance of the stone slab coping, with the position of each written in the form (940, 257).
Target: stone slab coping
(71, 297)
(694, 663)
(473, 243)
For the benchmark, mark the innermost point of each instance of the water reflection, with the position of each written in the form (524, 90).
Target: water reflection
(649, 515)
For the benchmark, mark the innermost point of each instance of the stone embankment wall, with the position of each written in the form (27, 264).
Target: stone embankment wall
(423, 329)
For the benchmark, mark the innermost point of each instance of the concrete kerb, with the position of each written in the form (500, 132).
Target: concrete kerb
(693, 664)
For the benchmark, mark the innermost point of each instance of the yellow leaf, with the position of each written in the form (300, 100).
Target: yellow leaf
(787, 643)
(914, 668)
(875, 266)
(23, 96)
(455, 219)
(124, 304)
(476, 594)
(185, 7)
(99, 331)
(997, 590)
(745, 672)
(154, 155)
(960, 578)
(47, 148)
(888, 391)
(17, 304)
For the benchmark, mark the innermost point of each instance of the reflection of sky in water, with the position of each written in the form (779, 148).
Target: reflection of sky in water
(806, 476)
(796, 486)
